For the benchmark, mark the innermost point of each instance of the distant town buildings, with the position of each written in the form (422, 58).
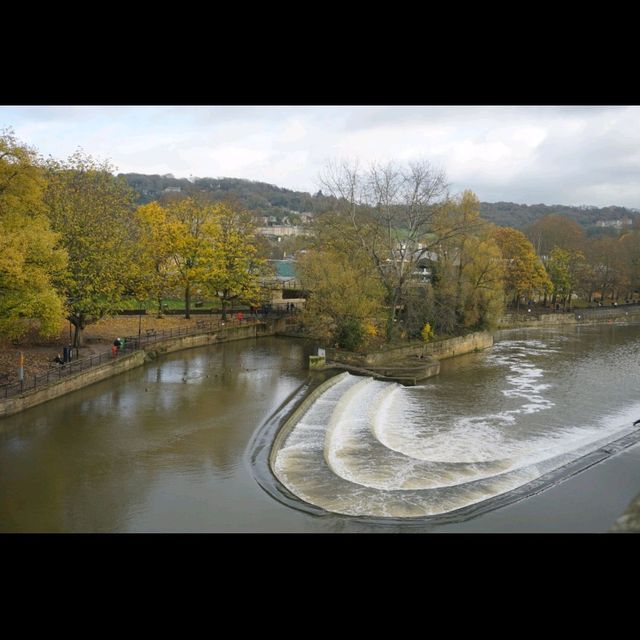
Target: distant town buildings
(615, 224)
(283, 230)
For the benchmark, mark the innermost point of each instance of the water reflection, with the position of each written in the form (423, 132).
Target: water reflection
(163, 447)
(98, 460)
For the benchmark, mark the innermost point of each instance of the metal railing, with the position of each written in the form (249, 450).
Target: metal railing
(54, 374)
(618, 311)
(131, 343)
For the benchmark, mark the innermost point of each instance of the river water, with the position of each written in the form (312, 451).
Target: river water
(167, 447)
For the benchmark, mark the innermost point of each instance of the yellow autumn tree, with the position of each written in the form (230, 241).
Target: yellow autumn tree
(156, 274)
(235, 266)
(30, 259)
(525, 274)
(192, 230)
(468, 288)
(345, 290)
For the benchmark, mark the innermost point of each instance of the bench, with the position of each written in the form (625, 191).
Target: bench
(151, 333)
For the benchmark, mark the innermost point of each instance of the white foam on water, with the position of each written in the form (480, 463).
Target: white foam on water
(372, 448)
(470, 439)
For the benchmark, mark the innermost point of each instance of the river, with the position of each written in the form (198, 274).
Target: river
(167, 447)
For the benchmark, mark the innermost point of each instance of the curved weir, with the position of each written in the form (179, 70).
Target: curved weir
(377, 449)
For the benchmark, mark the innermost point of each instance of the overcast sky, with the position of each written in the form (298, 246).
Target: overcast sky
(552, 155)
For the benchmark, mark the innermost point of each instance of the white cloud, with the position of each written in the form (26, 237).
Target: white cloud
(528, 154)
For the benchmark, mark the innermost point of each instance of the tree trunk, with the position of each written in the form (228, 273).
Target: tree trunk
(187, 301)
(223, 302)
(77, 335)
(392, 314)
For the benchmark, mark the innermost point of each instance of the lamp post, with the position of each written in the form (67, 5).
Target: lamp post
(139, 322)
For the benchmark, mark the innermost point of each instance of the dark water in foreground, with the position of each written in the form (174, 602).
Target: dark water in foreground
(164, 447)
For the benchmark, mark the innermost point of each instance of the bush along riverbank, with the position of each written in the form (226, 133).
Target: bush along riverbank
(415, 361)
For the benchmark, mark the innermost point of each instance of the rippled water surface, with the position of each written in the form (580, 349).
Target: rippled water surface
(164, 447)
(489, 424)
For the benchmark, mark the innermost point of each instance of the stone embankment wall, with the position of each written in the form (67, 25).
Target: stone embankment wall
(597, 315)
(440, 349)
(125, 362)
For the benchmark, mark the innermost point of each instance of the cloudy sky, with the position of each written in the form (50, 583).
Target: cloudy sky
(551, 155)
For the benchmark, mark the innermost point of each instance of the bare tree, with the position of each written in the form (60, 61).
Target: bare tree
(397, 213)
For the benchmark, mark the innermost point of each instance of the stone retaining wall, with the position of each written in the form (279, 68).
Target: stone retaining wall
(439, 349)
(71, 383)
(578, 316)
(125, 362)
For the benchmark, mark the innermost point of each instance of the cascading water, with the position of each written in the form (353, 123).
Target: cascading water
(371, 448)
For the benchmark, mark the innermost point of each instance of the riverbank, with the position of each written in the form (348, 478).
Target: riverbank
(167, 447)
(602, 405)
(39, 353)
(124, 362)
(591, 315)
(410, 363)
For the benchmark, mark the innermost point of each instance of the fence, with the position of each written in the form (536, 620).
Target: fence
(55, 374)
(619, 311)
(131, 343)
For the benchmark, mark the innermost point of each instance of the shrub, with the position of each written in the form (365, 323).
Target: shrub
(427, 333)
(350, 335)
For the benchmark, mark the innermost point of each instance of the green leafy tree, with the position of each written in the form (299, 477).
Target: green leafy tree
(92, 211)
(565, 269)
(31, 262)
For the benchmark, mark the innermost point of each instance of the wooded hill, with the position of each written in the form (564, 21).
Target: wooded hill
(269, 200)
(522, 215)
(259, 197)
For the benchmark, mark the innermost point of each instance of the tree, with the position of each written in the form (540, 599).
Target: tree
(154, 268)
(393, 214)
(193, 231)
(92, 212)
(565, 269)
(629, 244)
(235, 264)
(607, 261)
(525, 275)
(344, 291)
(466, 289)
(556, 231)
(30, 259)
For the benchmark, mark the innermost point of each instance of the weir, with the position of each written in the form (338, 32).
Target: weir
(375, 449)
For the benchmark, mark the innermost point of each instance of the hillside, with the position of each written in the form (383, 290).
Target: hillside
(522, 215)
(262, 198)
(269, 200)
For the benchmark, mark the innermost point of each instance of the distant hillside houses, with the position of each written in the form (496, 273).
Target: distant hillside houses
(279, 231)
(282, 207)
(615, 224)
